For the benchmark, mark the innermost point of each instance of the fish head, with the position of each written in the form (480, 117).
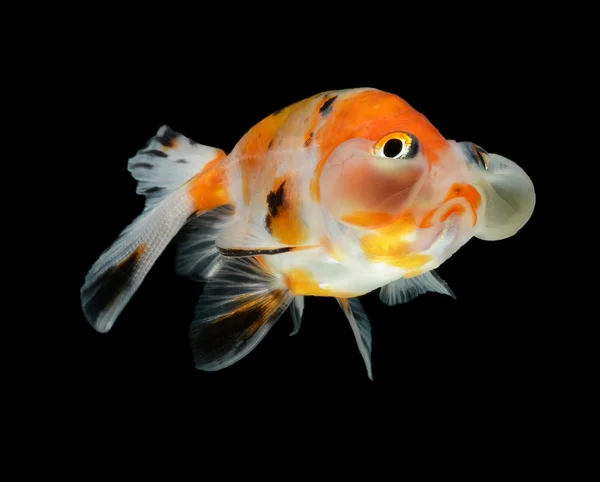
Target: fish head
(408, 191)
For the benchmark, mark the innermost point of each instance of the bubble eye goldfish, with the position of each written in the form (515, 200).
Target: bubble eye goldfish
(336, 195)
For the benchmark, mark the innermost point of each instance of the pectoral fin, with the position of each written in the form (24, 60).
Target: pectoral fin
(405, 289)
(297, 309)
(361, 327)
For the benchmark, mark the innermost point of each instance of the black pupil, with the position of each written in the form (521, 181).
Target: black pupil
(392, 148)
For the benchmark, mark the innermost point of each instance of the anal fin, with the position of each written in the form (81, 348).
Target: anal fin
(240, 304)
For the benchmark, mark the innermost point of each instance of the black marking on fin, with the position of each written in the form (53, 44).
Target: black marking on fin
(154, 189)
(105, 289)
(145, 165)
(181, 161)
(277, 111)
(167, 138)
(275, 200)
(326, 107)
(231, 333)
(236, 252)
(155, 152)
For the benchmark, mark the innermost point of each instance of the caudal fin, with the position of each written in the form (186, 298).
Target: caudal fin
(162, 169)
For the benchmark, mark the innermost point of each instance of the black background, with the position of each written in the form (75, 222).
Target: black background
(491, 340)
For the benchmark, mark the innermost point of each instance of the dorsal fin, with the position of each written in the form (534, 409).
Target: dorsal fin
(169, 160)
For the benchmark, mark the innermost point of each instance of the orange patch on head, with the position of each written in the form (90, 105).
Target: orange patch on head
(402, 226)
(367, 218)
(470, 193)
(390, 240)
(427, 220)
(302, 282)
(371, 114)
(209, 188)
(389, 245)
(456, 209)
(465, 191)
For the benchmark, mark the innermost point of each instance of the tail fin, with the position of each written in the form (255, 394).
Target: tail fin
(162, 170)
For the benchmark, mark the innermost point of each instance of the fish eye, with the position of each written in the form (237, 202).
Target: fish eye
(397, 145)
(478, 155)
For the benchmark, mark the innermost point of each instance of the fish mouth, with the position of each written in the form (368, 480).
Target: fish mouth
(445, 237)
(436, 241)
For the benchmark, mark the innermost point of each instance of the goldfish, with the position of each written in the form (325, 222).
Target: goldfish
(336, 195)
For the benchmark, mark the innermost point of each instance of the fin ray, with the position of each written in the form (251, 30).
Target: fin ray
(161, 169)
(239, 305)
(117, 274)
(404, 290)
(197, 254)
(361, 327)
(297, 310)
(167, 162)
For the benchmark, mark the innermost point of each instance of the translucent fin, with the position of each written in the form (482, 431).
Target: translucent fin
(405, 289)
(297, 309)
(197, 254)
(239, 305)
(168, 161)
(119, 271)
(361, 327)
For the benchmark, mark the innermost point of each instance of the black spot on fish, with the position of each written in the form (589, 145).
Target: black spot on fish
(309, 140)
(235, 252)
(181, 161)
(154, 189)
(167, 138)
(155, 152)
(193, 143)
(278, 111)
(105, 289)
(270, 144)
(268, 221)
(143, 165)
(275, 200)
(326, 107)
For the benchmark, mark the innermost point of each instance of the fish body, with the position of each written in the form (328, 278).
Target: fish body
(336, 195)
